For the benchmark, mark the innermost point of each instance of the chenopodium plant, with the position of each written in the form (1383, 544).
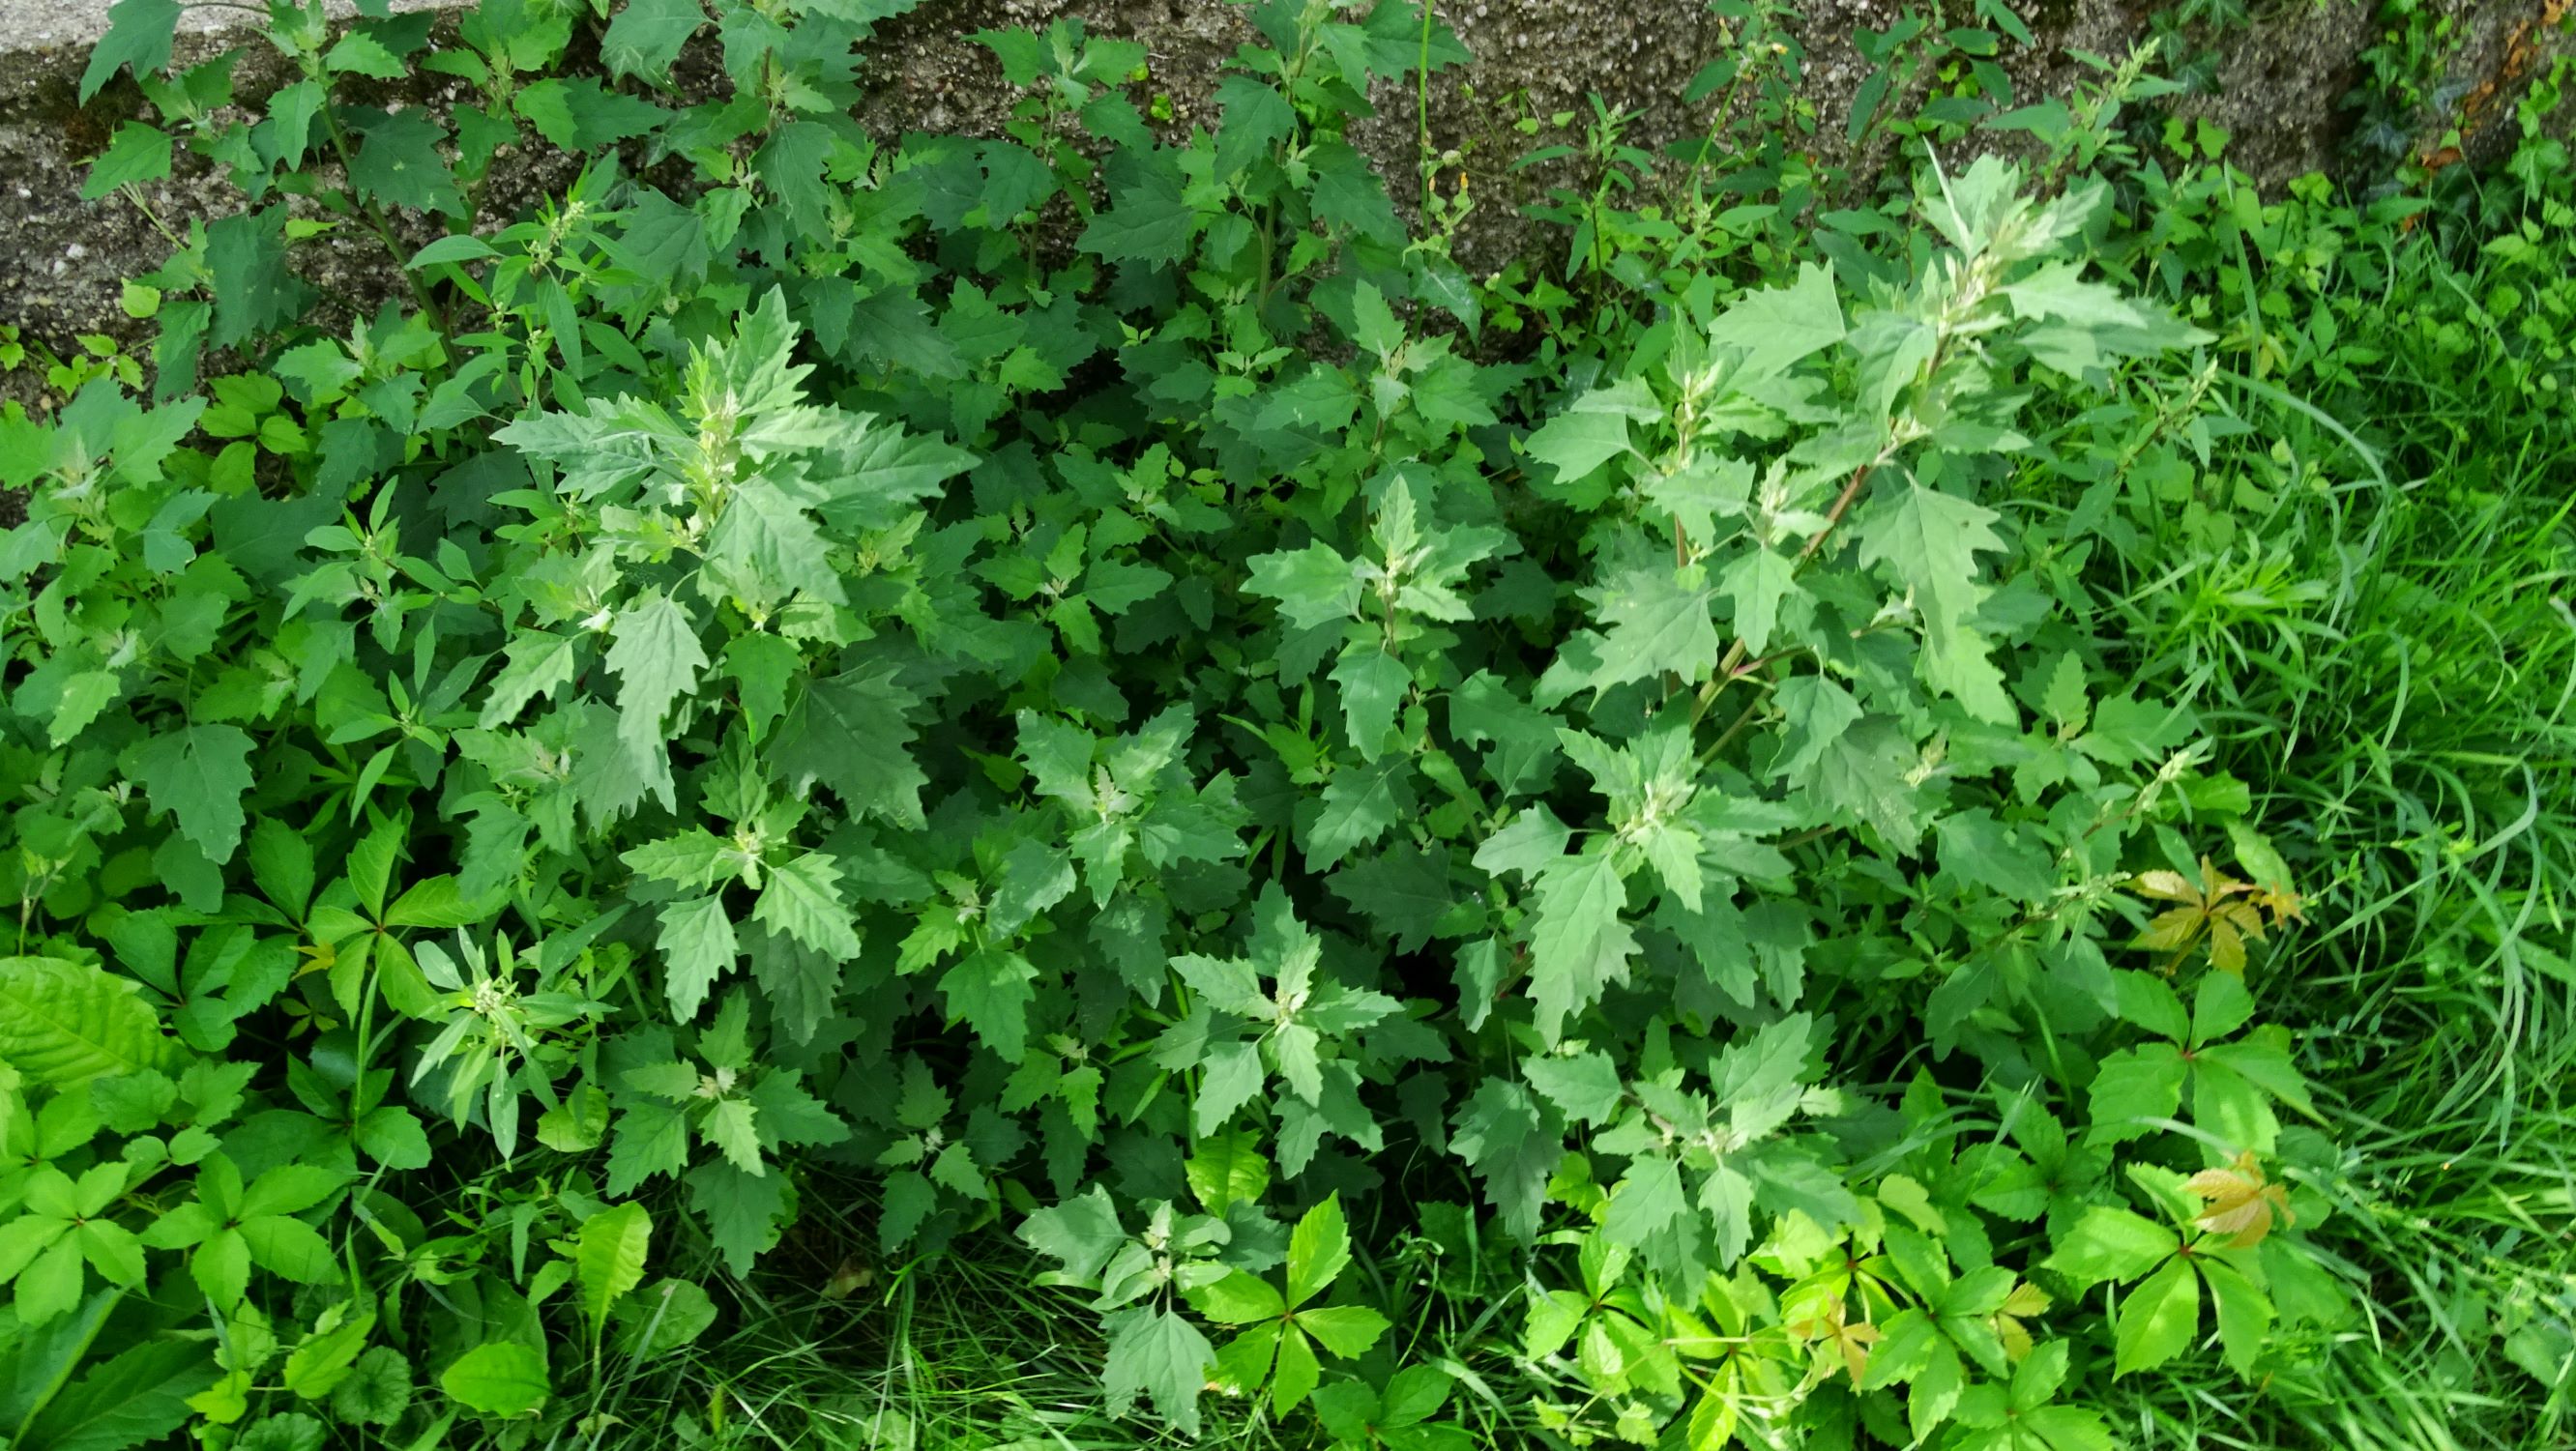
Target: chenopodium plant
(1325, 761)
(1796, 678)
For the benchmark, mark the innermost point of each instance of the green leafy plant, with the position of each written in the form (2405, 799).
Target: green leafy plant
(813, 699)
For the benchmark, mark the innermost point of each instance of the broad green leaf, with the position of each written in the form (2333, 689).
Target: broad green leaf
(698, 947)
(1080, 1234)
(376, 1391)
(504, 1378)
(1929, 541)
(609, 1259)
(1578, 945)
(647, 36)
(662, 1317)
(1656, 621)
(1586, 1085)
(2244, 1313)
(1239, 1299)
(2158, 1319)
(139, 34)
(1228, 1168)
(655, 655)
(66, 1023)
(137, 153)
(2112, 1244)
(1298, 1371)
(1777, 326)
(1318, 1249)
(1345, 1330)
(198, 773)
(1158, 1354)
(136, 1397)
(991, 991)
(802, 900)
(2134, 1088)
(326, 1357)
(289, 1247)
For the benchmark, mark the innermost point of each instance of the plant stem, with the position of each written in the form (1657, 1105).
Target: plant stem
(1727, 667)
(376, 219)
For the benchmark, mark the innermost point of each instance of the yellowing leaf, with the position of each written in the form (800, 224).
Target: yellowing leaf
(2242, 1205)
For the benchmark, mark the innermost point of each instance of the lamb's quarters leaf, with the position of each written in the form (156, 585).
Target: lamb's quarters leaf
(1314, 585)
(137, 153)
(399, 162)
(802, 983)
(654, 652)
(803, 900)
(1756, 582)
(1585, 1085)
(1573, 444)
(198, 773)
(1774, 327)
(1520, 738)
(883, 471)
(1648, 1198)
(742, 1211)
(990, 991)
(849, 732)
(1929, 541)
(1349, 194)
(646, 36)
(1514, 1145)
(1146, 220)
(1408, 892)
(698, 947)
(1080, 1234)
(254, 289)
(1578, 946)
(1231, 1077)
(1156, 1354)
(139, 34)
(1360, 806)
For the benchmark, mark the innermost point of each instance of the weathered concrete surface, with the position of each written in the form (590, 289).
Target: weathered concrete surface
(48, 24)
(2284, 82)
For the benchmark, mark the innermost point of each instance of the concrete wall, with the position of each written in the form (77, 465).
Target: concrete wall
(2284, 79)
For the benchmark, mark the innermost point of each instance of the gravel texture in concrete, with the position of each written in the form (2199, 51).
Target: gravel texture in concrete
(2284, 79)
